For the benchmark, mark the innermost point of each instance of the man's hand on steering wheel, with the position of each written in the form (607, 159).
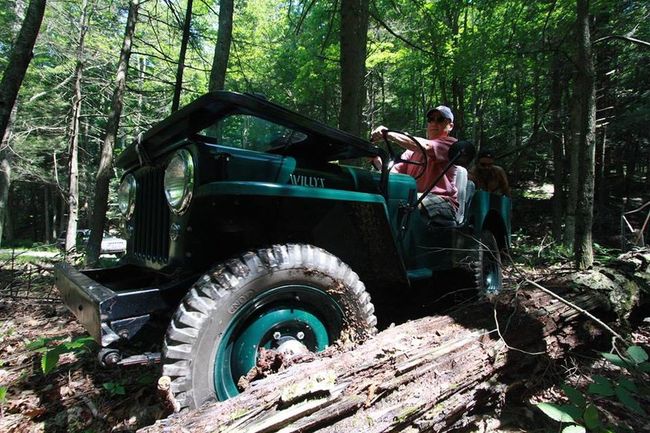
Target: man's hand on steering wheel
(382, 132)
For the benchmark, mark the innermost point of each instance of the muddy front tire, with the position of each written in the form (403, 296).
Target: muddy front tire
(298, 293)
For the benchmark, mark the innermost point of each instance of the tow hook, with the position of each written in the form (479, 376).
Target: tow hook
(113, 357)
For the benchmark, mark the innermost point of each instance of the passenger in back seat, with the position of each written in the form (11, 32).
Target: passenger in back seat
(442, 201)
(489, 177)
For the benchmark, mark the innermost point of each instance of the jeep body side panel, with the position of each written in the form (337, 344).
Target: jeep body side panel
(354, 226)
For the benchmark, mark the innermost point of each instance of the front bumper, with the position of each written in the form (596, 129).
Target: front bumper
(117, 303)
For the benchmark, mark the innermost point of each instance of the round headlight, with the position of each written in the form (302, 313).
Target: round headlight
(179, 181)
(126, 195)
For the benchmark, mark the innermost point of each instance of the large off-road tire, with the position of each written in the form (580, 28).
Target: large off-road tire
(488, 268)
(295, 291)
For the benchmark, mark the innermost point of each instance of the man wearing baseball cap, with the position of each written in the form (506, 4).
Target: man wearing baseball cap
(442, 201)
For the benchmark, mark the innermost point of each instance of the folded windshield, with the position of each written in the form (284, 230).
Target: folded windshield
(245, 131)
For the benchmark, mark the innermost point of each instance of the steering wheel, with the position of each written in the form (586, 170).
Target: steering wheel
(397, 159)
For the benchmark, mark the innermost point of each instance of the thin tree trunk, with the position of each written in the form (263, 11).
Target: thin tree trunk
(181, 56)
(6, 157)
(555, 107)
(73, 165)
(354, 35)
(46, 214)
(572, 197)
(583, 248)
(105, 171)
(12, 78)
(222, 48)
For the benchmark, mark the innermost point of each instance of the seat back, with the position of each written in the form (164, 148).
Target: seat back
(465, 188)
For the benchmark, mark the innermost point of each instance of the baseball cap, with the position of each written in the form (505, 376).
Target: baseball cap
(445, 111)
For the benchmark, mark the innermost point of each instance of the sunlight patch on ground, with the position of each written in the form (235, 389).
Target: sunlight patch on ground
(538, 191)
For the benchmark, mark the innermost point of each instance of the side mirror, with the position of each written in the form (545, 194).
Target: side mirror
(461, 153)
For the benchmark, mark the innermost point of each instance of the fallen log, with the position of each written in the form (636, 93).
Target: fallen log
(423, 375)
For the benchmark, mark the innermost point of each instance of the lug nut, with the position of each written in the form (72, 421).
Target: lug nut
(300, 335)
(277, 335)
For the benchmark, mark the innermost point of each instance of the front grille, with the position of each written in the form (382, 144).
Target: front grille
(151, 220)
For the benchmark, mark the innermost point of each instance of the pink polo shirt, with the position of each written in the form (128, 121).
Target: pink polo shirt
(437, 161)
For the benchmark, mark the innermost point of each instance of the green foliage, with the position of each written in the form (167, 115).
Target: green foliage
(583, 413)
(50, 352)
(114, 388)
(3, 394)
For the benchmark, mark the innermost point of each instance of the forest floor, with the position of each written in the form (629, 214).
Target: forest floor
(78, 395)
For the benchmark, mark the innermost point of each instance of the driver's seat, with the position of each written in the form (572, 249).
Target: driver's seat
(465, 188)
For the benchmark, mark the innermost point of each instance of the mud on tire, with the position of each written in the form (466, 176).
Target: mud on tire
(239, 304)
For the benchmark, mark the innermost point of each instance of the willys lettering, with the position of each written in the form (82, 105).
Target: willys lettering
(314, 182)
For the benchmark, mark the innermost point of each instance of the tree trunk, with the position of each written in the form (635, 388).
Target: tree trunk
(12, 78)
(73, 164)
(181, 56)
(105, 171)
(222, 48)
(583, 248)
(423, 374)
(556, 138)
(574, 158)
(354, 35)
(6, 157)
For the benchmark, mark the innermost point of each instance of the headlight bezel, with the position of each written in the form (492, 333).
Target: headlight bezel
(127, 206)
(179, 202)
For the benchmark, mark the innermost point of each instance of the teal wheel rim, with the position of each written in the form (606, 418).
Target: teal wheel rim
(299, 312)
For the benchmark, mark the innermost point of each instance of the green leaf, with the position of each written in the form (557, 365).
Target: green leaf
(591, 417)
(79, 343)
(114, 388)
(50, 359)
(637, 354)
(3, 394)
(601, 386)
(574, 429)
(40, 345)
(627, 384)
(626, 398)
(555, 412)
(616, 360)
(575, 396)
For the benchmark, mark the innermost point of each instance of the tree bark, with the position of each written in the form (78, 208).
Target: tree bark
(73, 150)
(423, 374)
(222, 48)
(181, 56)
(105, 170)
(556, 138)
(354, 35)
(574, 168)
(583, 248)
(12, 78)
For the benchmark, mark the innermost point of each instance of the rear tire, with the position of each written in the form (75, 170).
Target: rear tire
(488, 269)
(298, 291)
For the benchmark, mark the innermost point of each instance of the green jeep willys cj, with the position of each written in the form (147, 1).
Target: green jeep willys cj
(245, 232)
